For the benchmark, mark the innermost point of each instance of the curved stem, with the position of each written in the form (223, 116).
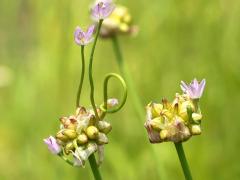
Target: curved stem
(94, 167)
(82, 78)
(90, 71)
(183, 161)
(105, 93)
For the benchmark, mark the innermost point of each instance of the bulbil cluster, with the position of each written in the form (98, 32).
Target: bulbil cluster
(81, 135)
(176, 121)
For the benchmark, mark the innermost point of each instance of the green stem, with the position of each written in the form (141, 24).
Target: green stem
(90, 71)
(183, 160)
(105, 93)
(81, 79)
(92, 160)
(94, 167)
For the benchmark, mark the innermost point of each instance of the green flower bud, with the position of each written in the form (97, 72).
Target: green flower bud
(69, 146)
(80, 111)
(182, 110)
(70, 133)
(82, 138)
(102, 139)
(157, 123)
(92, 132)
(164, 134)
(92, 120)
(61, 136)
(196, 116)
(196, 129)
(104, 126)
(156, 109)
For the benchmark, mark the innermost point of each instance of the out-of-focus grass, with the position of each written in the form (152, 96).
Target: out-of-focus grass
(178, 40)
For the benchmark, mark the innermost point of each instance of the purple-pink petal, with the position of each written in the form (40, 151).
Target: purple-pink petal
(52, 144)
(83, 38)
(194, 89)
(102, 9)
(202, 86)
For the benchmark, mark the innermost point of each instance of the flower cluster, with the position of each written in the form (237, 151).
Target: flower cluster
(119, 22)
(176, 121)
(81, 135)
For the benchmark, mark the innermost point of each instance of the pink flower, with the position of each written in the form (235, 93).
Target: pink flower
(102, 9)
(52, 145)
(194, 89)
(83, 38)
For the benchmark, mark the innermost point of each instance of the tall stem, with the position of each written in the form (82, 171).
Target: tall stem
(81, 79)
(124, 71)
(135, 97)
(90, 71)
(94, 167)
(92, 159)
(183, 160)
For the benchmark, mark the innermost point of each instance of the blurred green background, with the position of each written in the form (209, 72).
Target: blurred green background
(178, 40)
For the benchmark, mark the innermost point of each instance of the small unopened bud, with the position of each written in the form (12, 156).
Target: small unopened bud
(70, 133)
(164, 134)
(166, 104)
(80, 111)
(69, 146)
(104, 126)
(61, 136)
(196, 130)
(112, 102)
(102, 139)
(92, 120)
(196, 116)
(82, 138)
(72, 126)
(92, 132)
(63, 120)
(156, 109)
(157, 124)
(60, 142)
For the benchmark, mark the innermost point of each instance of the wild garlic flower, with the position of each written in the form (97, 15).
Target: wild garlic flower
(83, 38)
(102, 9)
(119, 22)
(194, 89)
(81, 135)
(175, 122)
(52, 144)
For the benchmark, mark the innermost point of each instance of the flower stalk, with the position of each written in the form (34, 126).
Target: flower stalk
(90, 71)
(183, 160)
(82, 78)
(94, 167)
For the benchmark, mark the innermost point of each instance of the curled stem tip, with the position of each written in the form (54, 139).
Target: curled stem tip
(105, 93)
